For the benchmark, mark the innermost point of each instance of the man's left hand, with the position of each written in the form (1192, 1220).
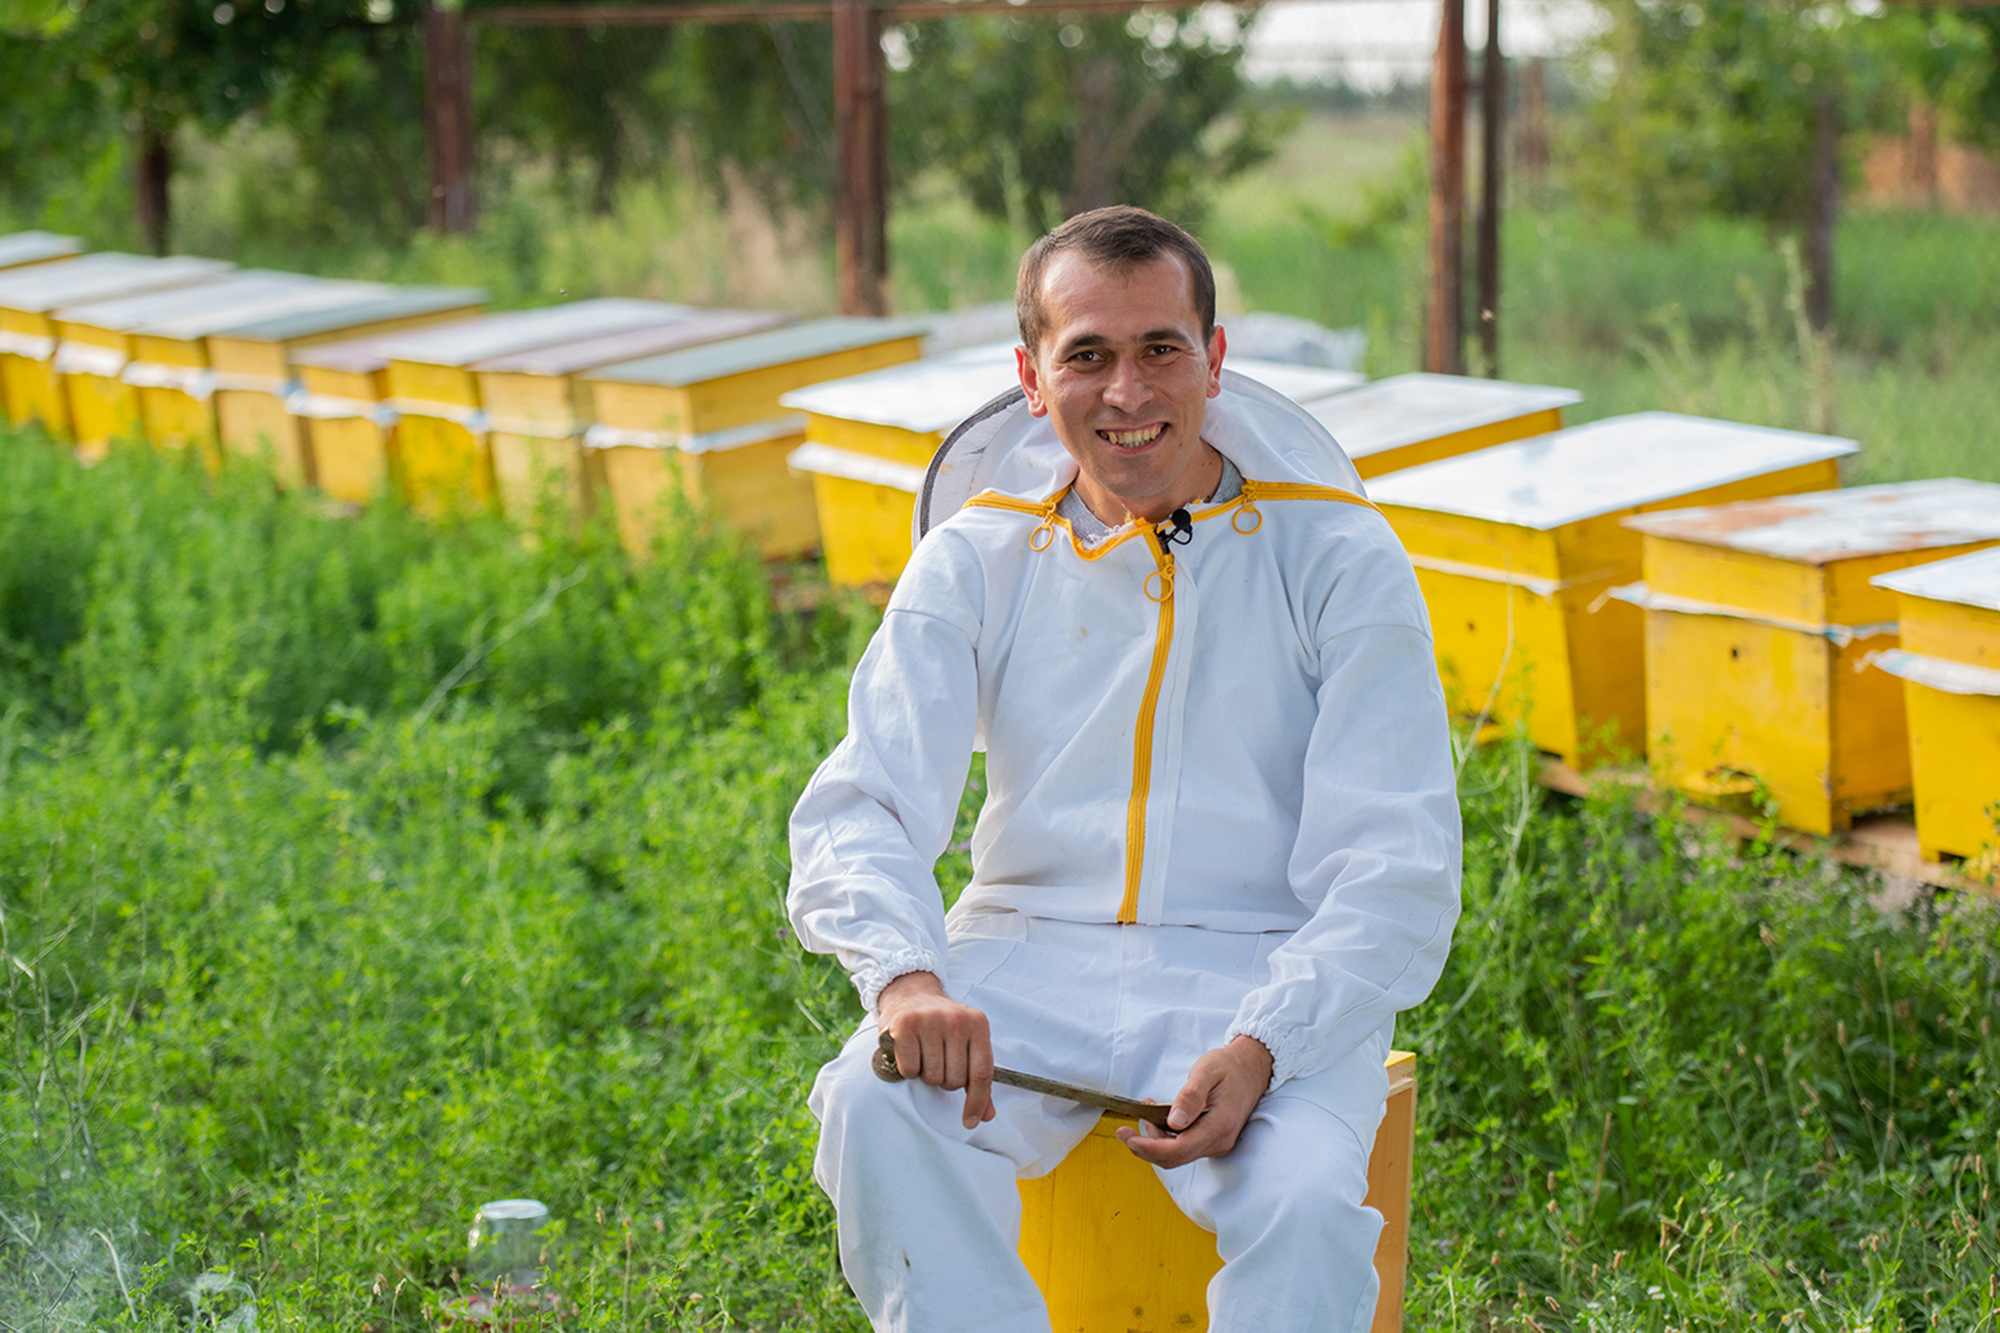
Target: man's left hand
(1211, 1109)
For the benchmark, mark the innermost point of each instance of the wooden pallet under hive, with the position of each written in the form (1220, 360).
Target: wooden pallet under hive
(1517, 547)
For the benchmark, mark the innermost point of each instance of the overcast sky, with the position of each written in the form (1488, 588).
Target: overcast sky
(1373, 41)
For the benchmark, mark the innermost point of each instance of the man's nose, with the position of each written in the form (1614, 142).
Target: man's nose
(1126, 388)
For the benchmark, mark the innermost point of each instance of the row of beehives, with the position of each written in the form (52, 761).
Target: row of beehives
(352, 386)
(1743, 650)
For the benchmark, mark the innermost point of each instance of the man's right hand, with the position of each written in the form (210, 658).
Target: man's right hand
(940, 1041)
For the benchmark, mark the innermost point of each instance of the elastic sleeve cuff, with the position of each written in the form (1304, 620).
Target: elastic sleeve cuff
(1283, 1041)
(871, 978)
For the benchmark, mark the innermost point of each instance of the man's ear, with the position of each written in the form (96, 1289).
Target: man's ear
(1031, 382)
(1217, 345)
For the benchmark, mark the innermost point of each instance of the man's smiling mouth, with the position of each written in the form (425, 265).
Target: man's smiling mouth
(1133, 439)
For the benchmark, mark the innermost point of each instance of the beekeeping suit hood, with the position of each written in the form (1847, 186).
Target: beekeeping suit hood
(1003, 447)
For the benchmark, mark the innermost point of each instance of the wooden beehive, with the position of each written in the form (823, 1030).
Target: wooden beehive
(177, 384)
(1407, 420)
(868, 440)
(1517, 546)
(251, 363)
(1759, 618)
(1110, 1251)
(1949, 619)
(443, 459)
(103, 377)
(341, 411)
(707, 424)
(539, 404)
(37, 247)
(28, 378)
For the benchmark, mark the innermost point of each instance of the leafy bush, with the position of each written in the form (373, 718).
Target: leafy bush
(353, 872)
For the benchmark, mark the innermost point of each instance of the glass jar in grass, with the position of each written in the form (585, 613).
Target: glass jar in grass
(508, 1254)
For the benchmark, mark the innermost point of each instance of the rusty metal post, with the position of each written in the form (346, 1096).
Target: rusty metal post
(448, 116)
(1492, 133)
(1444, 315)
(861, 128)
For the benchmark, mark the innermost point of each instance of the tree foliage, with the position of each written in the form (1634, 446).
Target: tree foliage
(1040, 120)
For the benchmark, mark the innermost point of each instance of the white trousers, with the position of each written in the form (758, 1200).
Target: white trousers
(929, 1212)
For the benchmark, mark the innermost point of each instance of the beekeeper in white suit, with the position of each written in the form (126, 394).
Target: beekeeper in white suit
(1220, 844)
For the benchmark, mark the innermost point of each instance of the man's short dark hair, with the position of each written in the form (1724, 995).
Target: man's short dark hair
(1117, 237)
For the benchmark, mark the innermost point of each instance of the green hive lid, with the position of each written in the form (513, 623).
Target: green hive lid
(463, 344)
(374, 306)
(613, 348)
(1413, 409)
(801, 342)
(35, 247)
(928, 396)
(40, 288)
(244, 289)
(1566, 476)
(1823, 526)
(1970, 580)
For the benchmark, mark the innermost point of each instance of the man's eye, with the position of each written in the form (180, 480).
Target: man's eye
(1088, 354)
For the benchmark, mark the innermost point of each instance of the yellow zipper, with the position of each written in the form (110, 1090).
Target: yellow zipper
(1142, 740)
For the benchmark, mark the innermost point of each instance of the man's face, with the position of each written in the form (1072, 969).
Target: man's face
(1124, 377)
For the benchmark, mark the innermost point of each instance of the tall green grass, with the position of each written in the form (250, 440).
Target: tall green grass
(354, 872)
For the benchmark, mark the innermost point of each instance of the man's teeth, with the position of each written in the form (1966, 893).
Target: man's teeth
(1129, 438)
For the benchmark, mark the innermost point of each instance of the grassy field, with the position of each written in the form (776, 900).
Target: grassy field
(354, 872)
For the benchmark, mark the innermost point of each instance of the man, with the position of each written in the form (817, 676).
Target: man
(1220, 845)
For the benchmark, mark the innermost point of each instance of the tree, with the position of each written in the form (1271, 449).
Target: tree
(1736, 106)
(1040, 120)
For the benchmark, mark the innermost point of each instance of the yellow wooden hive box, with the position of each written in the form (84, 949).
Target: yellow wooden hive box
(1112, 1254)
(253, 375)
(708, 424)
(444, 460)
(1406, 420)
(1949, 618)
(105, 380)
(37, 247)
(1759, 620)
(1517, 547)
(342, 413)
(29, 380)
(539, 404)
(177, 384)
(868, 440)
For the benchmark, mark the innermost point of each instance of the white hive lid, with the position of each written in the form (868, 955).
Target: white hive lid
(316, 294)
(1301, 384)
(1411, 409)
(760, 351)
(1823, 526)
(29, 247)
(927, 396)
(1566, 476)
(492, 336)
(100, 277)
(243, 289)
(1971, 580)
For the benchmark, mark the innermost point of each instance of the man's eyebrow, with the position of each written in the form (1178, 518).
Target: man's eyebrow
(1083, 340)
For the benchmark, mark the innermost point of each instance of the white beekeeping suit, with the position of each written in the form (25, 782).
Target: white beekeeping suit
(1220, 801)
